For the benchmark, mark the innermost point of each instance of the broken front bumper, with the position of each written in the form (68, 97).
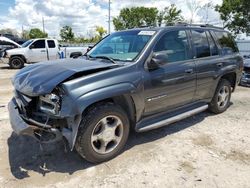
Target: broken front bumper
(22, 126)
(18, 125)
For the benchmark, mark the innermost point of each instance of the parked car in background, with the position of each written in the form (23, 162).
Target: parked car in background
(139, 79)
(14, 38)
(37, 50)
(245, 79)
(6, 44)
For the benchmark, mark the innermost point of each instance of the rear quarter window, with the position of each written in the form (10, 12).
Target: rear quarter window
(51, 44)
(226, 41)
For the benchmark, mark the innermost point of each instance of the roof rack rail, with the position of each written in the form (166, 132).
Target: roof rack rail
(194, 25)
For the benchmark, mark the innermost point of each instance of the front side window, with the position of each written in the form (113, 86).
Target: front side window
(226, 41)
(123, 46)
(39, 44)
(175, 45)
(200, 42)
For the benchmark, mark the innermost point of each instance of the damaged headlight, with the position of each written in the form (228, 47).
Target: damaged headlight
(50, 103)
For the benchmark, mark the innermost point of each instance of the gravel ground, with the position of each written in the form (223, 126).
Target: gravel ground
(205, 150)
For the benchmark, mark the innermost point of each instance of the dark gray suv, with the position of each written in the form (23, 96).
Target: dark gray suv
(138, 79)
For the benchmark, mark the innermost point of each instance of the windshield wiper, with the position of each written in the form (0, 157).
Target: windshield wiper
(105, 57)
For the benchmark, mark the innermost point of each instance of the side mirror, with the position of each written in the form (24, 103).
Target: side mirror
(158, 59)
(31, 46)
(90, 47)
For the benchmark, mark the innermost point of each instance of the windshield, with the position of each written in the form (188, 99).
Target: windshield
(27, 43)
(122, 46)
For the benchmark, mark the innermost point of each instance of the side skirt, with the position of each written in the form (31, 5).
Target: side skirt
(154, 122)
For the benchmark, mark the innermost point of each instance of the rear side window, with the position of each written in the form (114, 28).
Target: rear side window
(39, 44)
(201, 44)
(213, 47)
(51, 43)
(226, 42)
(175, 45)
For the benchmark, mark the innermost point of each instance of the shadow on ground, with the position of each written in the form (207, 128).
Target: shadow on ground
(7, 67)
(25, 153)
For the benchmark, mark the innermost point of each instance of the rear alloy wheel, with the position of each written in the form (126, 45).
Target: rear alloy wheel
(222, 96)
(103, 133)
(16, 62)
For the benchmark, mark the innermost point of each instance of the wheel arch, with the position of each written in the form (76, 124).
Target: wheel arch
(124, 101)
(19, 55)
(231, 77)
(120, 94)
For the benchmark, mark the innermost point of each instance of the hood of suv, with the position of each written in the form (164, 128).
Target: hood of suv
(42, 78)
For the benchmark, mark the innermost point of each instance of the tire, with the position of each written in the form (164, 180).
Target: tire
(16, 62)
(103, 133)
(222, 96)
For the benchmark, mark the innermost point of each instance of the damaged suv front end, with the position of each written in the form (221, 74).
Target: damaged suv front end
(42, 107)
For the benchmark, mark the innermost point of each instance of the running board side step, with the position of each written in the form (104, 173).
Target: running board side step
(172, 119)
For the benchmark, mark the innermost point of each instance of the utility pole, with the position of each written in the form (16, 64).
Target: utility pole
(43, 24)
(22, 32)
(109, 19)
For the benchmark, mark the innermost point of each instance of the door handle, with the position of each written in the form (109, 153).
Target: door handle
(189, 71)
(219, 64)
(43, 51)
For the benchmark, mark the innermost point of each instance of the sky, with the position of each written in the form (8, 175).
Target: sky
(84, 15)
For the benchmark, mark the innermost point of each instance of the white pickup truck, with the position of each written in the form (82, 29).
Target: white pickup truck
(36, 50)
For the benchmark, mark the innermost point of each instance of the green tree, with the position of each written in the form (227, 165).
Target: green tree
(66, 33)
(37, 33)
(135, 17)
(235, 14)
(101, 31)
(169, 15)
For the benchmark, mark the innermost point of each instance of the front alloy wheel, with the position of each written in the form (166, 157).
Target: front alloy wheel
(103, 133)
(107, 134)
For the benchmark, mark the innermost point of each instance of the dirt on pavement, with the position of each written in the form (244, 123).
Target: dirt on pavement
(205, 150)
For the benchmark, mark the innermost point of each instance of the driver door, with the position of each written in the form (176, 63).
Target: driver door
(37, 51)
(173, 82)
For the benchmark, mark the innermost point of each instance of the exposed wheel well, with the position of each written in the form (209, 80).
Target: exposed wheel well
(21, 56)
(231, 77)
(124, 101)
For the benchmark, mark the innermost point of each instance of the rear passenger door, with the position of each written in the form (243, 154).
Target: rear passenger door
(173, 83)
(208, 63)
